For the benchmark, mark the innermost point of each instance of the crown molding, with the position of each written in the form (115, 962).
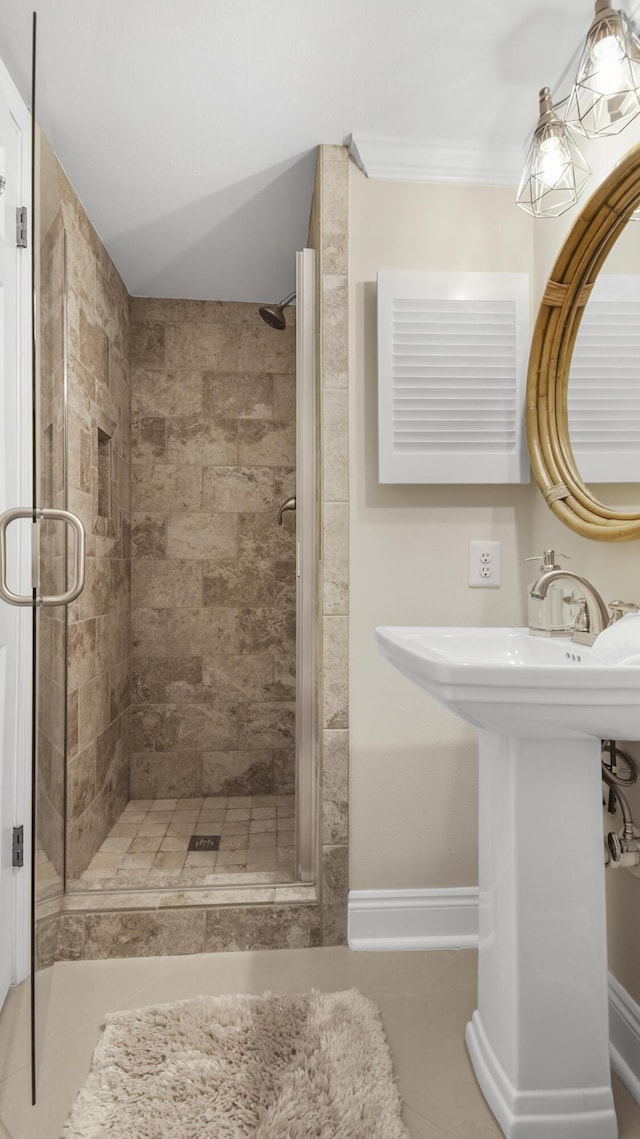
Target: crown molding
(431, 160)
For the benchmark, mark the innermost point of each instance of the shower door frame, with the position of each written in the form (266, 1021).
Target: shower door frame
(307, 553)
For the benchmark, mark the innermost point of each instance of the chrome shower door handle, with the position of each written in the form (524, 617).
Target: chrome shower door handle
(290, 504)
(40, 514)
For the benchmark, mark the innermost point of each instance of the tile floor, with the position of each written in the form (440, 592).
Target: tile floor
(148, 846)
(425, 1000)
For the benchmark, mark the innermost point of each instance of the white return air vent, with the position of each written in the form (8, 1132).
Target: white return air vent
(452, 360)
(604, 383)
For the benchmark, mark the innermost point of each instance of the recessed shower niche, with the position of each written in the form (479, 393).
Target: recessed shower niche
(103, 450)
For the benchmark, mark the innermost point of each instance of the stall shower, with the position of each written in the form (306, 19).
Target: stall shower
(169, 427)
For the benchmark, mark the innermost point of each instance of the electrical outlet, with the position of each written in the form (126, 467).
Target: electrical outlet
(484, 565)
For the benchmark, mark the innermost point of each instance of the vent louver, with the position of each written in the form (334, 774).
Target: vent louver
(452, 353)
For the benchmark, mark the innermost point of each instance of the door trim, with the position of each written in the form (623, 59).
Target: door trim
(22, 901)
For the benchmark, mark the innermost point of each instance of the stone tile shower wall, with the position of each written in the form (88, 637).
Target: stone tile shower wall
(213, 575)
(329, 236)
(98, 479)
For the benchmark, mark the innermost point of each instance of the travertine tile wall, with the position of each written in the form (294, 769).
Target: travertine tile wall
(329, 236)
(98, 475)
(213, 439)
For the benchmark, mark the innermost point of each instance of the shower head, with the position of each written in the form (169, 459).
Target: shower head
(273, 315)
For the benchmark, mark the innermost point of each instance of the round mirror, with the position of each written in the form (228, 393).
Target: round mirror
(579, 387)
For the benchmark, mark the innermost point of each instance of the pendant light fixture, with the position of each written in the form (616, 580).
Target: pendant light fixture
(606, 92)
(555, 172)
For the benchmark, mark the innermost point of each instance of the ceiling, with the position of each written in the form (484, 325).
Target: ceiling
(189, 127)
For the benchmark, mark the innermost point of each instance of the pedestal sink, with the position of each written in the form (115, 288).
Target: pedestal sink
(539, 1039)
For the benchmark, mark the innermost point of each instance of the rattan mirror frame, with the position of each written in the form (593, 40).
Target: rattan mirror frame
(567, 291)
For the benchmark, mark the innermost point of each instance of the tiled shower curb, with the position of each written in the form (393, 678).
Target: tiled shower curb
(114, 924)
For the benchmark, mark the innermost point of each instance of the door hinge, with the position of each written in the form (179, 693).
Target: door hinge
(22, 222)
(17, 851)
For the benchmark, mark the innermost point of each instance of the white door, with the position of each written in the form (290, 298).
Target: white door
(15, 490)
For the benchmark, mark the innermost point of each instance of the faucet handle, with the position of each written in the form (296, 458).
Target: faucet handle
(548, 557)
(581, 619)
(572, 602)
(620, 608)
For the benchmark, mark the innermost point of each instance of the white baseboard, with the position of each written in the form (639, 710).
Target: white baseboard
(624, 1037)
(413, 919)
(448, 919)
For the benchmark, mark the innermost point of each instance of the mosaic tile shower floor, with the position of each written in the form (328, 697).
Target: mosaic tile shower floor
(148, 847)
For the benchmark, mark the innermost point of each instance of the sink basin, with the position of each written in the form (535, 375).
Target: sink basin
(505, 680)
(539, 1039)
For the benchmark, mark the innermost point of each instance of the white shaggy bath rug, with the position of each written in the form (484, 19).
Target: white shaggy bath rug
(314, 1066)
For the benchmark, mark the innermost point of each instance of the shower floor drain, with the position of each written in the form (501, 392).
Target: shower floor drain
(204, 842)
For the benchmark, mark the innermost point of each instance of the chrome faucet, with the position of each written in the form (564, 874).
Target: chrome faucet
(592, 616)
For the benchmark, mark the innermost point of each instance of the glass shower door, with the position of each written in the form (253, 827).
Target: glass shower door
(41, 566)
(15, 489)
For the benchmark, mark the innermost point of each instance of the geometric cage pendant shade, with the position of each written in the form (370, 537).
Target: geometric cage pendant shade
(606, 92)
(555, 172)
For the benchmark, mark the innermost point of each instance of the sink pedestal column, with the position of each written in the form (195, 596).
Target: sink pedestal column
(539, 1040)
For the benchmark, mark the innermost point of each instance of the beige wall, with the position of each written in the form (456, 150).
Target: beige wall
(413, 764)
(214, 582)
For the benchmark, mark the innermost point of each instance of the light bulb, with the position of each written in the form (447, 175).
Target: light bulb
(551, 161)
(606, 48)
(607, 56)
